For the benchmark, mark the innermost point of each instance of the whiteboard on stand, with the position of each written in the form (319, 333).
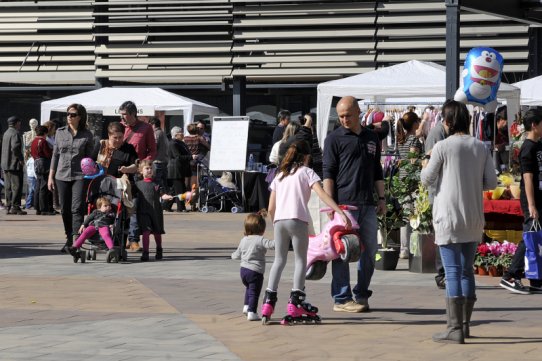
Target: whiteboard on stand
(229, 143)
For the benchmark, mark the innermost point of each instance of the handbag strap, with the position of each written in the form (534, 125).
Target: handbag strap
(535, 226)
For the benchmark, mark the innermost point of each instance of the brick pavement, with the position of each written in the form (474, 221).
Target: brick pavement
(188, 307)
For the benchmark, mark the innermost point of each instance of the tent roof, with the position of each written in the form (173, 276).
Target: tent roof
(413, 78)
(147, 100)
(531, 91)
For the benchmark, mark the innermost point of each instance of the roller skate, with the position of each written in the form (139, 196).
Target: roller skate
(300, 311)
(270, 299)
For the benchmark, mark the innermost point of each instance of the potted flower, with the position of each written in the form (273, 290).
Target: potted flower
(387, 255)
(481, 259)
(508, 249)
(417, 211)
(494, 266)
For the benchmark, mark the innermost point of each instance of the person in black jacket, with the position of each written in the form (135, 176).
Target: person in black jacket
(12, 163)
(178, 169)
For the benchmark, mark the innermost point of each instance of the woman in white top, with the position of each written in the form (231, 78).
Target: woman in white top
(460, 168)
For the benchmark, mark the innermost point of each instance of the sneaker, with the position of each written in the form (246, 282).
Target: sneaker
(245, 309)
(514, 286)
(253, 316)
(440, 280)
(349, 306)
(134, 247)
(18, 212)
(403, 254)
(364, 303)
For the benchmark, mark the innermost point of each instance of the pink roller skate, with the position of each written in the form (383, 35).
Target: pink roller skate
(300, 311)
(268, 306)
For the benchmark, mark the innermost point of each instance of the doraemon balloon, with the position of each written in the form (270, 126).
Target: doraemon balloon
(481, 78)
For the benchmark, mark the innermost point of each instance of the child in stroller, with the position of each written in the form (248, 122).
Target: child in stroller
(216, 194)
(116, 192)
(100, 220)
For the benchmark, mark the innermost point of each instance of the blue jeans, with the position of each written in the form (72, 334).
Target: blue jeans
(160, 174)
(31, 182)
(340, 284)
(133, 229)
(458, 259)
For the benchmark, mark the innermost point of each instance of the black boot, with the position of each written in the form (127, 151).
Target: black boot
(74, 252)
(467, 313)
(69, 242)
(145, 256)
(454, 329)
(159, 254)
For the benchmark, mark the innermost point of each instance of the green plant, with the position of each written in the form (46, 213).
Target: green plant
(411, 195)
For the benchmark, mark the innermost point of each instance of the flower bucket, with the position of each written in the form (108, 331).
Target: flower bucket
(495, 271)
(482, 271)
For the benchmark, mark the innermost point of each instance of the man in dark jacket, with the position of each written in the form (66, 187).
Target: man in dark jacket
(13, 164)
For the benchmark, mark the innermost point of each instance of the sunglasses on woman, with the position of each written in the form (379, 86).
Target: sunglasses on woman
(72, 115)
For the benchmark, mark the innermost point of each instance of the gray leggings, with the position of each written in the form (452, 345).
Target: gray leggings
(286, 230)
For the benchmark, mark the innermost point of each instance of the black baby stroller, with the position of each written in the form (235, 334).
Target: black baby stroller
(216, 194)
(117, 190)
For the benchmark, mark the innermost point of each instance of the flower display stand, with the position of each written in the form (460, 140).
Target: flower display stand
(422, 253)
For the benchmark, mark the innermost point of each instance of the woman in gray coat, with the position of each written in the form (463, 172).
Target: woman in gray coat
(72, 143)
(460, 169)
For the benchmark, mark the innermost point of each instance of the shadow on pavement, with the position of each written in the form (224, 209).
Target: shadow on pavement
(21, 250)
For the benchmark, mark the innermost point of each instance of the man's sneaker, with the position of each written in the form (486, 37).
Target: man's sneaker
(364, 303)
(134, 247)
(245, 309)
(349, 306)
(514, 286)
(253, 316)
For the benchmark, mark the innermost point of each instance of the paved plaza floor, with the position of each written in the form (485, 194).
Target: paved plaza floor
(188, 306)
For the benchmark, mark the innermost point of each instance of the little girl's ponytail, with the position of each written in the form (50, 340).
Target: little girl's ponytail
(294, 158)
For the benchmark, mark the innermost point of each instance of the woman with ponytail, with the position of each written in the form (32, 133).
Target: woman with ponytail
(290, 193)
(407, 141)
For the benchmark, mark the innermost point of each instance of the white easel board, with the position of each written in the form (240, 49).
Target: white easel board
(229, 143)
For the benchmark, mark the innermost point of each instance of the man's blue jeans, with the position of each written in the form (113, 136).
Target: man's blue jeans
(340, 284)
(31, 183)
(458, 259)
(160, 174)
(133, 229)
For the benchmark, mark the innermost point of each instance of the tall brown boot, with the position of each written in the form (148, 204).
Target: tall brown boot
(454, 329)
(468, 306)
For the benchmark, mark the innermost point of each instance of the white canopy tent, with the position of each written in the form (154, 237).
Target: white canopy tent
(413, 79)
(148, 100)
(531, 91)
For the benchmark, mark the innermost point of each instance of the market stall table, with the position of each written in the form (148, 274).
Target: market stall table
(504, 215)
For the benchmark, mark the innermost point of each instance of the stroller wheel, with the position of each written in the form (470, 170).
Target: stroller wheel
(124, 255)
(205, 209)
(112, 256)
(84, 256)
(93, 254)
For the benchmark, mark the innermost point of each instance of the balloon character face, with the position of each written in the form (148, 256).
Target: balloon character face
(481, 78)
